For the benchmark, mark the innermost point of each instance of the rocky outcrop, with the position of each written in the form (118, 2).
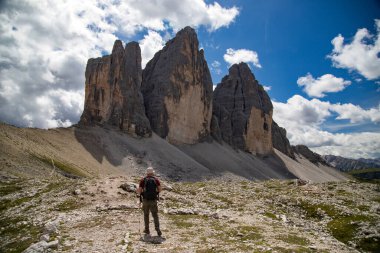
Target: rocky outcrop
(177, 90)
(347, 164)
(308, 154)
(280, 141)
(244, 111)
(112, 93)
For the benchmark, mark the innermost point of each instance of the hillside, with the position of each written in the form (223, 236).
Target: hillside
(99, 152)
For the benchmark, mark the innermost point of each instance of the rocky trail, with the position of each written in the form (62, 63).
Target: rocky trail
(221, 215)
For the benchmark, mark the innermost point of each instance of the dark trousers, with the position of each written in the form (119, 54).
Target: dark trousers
(150, 205)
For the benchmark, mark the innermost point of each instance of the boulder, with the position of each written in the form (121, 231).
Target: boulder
(112, 93)
(279, 140)
(177, 90)
(244, 111)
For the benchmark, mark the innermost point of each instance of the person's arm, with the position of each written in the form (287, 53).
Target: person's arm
(159, 188)
(140, 188)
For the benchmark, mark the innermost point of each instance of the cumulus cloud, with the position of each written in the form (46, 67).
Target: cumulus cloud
(304, 119)
(150, 44)
(233, 56)
(361, 54)
(323, 84)
(44, 47)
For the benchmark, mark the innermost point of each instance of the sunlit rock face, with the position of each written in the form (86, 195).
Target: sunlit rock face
(177, 90)
(112, 93)
(244, 111)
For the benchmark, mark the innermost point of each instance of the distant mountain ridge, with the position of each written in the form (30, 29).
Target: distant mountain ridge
(348, 164)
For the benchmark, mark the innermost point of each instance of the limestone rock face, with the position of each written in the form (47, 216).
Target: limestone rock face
(177, 90)
(280, 141)
(112, 93)
(244, 111)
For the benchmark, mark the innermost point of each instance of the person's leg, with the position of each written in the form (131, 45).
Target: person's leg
(146, 216)
(154, 210)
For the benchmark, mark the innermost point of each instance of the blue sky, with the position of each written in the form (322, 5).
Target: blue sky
(324, 84)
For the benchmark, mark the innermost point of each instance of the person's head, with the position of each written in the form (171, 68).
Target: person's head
(150, 171)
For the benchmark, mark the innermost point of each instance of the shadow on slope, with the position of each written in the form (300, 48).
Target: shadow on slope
(224, 159)
(134, 154)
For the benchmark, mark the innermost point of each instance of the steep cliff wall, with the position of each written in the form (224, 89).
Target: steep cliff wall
(112, 92)
(177, 90)
(244, 111)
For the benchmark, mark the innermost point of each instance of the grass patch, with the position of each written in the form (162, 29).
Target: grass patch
(183, 221)
(270, 215)
(67, 205)
(345, 229)
(313, 210)
(64, 168)
(294, 239)
(244, 233)
(9, 187)
(17, 234)
(296, 250)
(223, 199)
(371, 170)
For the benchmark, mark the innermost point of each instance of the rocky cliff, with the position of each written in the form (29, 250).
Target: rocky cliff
(112, 91)
(280, 141)
(308, 154)
(244, 111)
(347, 164)
(177, 90)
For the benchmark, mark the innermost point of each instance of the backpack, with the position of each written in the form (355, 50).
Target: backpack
(150, 188)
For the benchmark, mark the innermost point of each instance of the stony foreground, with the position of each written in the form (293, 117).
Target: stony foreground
(66, 215)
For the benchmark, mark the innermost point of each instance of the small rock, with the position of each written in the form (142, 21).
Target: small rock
(167, 187)
(52, 244)
(37, 247)
(45, 237)
(129, 187)
(77, 192)
(51, 227)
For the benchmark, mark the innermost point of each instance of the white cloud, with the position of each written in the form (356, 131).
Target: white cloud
(215, 66)
(361, 54)
(150, 44)
(304, 119)
(44, 47)
(233, 56)
(267, 88)
(326, 83)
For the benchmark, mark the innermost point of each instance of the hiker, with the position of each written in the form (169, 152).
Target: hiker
(149, 188)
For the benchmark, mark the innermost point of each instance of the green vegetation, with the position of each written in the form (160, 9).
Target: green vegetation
(294, 239)
(183, 221)
(9, 187)
(13, 233)
(354, 172)
(221, 198)
(244, 233)
(66, 168)
(67, 205)
(315, 211)
(345, 229)
(294, 250)
(270, 215)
